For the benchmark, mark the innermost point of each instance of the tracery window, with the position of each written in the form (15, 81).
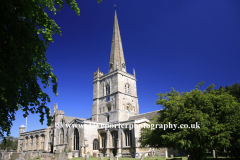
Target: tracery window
(95, 144)
(103, 136)
(31, 141)
(26, 142)
(42, 141)
(128, 138)
(36, 147)
(61, 136)
(114, 139)
(76, 139)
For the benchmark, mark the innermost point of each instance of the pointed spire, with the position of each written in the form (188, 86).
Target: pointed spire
(54, 108)
(117, 57)
(134, 72)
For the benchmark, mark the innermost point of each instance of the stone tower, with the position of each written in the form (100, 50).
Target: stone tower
(115, 93)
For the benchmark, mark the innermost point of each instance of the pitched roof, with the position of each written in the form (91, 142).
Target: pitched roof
(147, 115)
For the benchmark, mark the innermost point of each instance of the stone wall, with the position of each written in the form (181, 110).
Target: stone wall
(10, 155)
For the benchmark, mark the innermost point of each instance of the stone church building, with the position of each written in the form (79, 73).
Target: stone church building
(115, 103)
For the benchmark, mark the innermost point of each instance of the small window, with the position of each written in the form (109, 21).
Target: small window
(107, 118)
(95, 144)
(107, 89)
(127, 88)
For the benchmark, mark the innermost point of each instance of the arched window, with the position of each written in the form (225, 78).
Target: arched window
(107, 89)
(36, 145)
(26, 143)
(114, 139)
(127, 88)
(31, 141)
(128, 138)
(76, 139)
(109, 107)
(42, 141)
(61, 136)
(95, 144)
(103, 136)
(128, 107)
(107, 118)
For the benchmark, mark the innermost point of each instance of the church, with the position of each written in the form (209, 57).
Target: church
(115, 110)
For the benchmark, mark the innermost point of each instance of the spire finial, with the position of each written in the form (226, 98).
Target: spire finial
(115, 7)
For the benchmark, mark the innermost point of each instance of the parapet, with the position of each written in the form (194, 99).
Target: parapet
(97, 74)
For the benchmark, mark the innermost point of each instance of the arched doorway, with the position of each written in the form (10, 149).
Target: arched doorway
(76, 139)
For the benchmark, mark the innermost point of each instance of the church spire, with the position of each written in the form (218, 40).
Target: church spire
(117, 60)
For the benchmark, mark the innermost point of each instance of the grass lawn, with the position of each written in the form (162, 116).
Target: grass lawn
(146, 158)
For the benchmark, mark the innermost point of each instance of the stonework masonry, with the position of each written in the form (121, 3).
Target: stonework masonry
(115, 102)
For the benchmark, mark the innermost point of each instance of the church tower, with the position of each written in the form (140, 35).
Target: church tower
(115, 93)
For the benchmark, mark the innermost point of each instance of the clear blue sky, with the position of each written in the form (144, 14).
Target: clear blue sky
(170, 43)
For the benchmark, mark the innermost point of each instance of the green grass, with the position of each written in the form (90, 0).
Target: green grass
(146, 158)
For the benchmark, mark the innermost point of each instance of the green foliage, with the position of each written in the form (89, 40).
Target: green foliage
(26, 33)
(217, 112)
(9, 143)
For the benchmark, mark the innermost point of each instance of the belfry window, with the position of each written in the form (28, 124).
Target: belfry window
(127, 88)
(107, 89)
(95, 144)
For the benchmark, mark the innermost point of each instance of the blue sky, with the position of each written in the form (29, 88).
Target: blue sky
(170, 43)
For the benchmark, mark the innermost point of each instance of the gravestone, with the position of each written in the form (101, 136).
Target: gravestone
(87, 157)
(94, 154)
(60, 156)
(111, 156)
(117, 158)
(69, 155)
(151, 155)
(27, 155)
(214, 155)
(142, 156)
(101, 156)
(166, 154)
(16, 156)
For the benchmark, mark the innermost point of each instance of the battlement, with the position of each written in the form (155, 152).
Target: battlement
(97, 74)
(60, 112)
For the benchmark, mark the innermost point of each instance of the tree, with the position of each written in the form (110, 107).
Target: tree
(26, 33)
(9, 143)
(216, 111)
(234, 90)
